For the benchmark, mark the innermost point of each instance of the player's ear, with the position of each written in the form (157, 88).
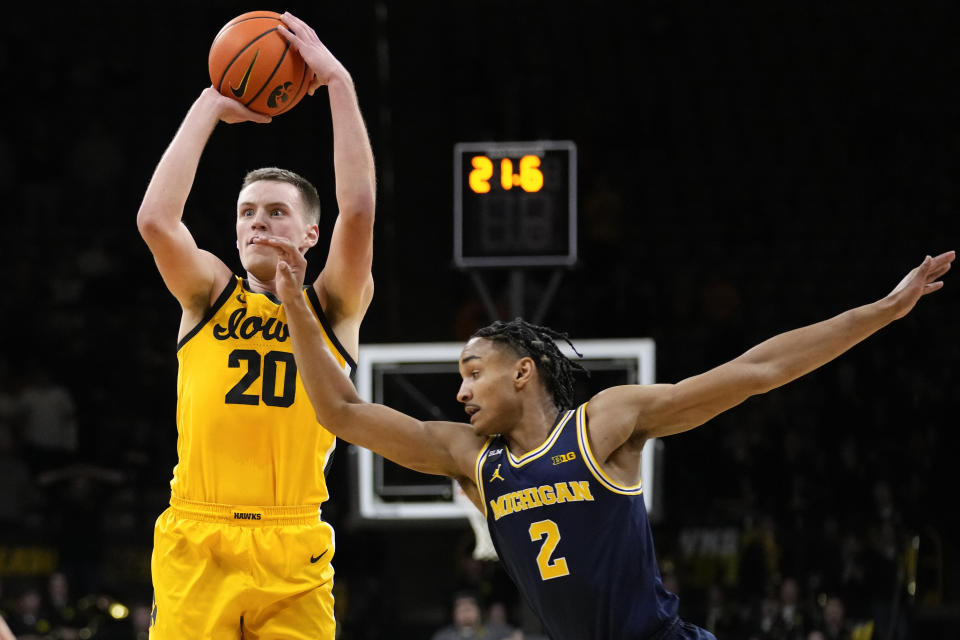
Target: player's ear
(312, 236)
(523, 372)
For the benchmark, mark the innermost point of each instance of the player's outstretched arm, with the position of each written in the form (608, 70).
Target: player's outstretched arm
(187, 271)
(442, 448)
(661, 410)
(345, 284)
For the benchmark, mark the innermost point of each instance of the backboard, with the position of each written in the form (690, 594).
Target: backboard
(421, 379)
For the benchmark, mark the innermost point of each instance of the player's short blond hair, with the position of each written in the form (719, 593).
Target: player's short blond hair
(307, 191)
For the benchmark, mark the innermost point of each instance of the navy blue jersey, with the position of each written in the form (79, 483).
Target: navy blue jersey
(576, 543)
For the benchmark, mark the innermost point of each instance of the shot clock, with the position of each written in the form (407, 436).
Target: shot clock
(515, 203)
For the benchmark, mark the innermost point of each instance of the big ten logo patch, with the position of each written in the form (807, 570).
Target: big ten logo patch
(564, 457)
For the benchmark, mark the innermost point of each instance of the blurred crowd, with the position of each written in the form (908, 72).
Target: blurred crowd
(48, 609)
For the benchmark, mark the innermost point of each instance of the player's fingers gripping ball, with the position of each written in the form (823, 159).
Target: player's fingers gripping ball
(250, 61)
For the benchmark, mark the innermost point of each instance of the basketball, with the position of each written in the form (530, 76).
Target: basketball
(251, 62)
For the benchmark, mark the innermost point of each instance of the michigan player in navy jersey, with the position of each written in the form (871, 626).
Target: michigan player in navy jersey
(560, 485)
(243, 549)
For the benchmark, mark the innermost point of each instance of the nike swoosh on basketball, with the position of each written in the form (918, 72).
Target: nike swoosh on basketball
(242, 89)
(313, 559)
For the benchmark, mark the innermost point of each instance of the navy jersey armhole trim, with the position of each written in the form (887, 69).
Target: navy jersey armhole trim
(318, 309)
(220, 301)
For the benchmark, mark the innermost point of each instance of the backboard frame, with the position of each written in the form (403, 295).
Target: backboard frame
(372, 508)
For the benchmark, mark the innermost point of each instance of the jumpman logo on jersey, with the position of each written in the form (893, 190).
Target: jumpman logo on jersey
(496, 474)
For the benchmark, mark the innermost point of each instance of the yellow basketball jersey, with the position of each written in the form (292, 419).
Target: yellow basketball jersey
(247, 432)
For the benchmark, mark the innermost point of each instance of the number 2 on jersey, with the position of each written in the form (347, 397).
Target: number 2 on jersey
(548, 569)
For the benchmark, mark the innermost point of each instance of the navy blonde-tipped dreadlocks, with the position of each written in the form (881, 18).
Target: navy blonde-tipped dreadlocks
(537, 342)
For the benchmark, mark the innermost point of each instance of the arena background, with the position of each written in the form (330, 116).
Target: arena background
(742, 170)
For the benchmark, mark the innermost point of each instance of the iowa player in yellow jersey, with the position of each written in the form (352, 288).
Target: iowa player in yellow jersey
(243, 550)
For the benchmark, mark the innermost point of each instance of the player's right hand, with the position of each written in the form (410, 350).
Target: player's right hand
(231, 111)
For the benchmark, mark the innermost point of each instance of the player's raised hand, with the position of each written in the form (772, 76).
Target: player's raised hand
(232, 111)
(304, 39)
(921, 280)
(291, 266)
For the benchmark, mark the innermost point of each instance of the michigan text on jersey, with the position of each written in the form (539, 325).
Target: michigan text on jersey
(533, 497)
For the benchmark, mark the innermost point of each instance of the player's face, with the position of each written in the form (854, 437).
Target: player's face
(270, 207)
(487, 391)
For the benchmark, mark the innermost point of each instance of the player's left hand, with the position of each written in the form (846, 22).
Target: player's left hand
(229, 110)
(304, 39)
(291, 266)
(921, 280)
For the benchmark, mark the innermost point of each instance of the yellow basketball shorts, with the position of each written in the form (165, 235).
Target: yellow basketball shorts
(257, 573)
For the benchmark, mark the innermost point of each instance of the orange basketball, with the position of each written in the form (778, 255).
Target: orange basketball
(251, 62)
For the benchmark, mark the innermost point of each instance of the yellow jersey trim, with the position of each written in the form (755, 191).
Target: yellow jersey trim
(543, 448)
(595, 469)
